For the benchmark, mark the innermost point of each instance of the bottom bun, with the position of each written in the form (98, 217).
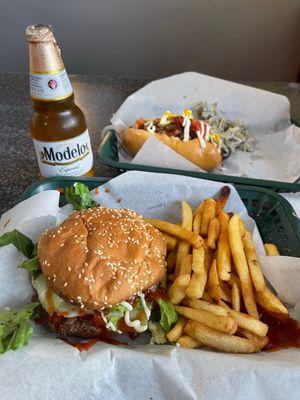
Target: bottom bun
(206, 158)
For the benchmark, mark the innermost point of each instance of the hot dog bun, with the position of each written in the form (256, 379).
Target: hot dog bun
(206, 158)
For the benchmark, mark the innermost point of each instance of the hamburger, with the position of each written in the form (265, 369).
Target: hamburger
(194, 139)
(101, 273)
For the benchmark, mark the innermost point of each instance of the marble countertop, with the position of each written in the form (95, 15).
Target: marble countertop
(98, 97)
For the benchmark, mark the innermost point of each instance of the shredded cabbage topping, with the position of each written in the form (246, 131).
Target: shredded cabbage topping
(234, 134)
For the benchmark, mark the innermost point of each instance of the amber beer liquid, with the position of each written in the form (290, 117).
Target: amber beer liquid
(57, 125)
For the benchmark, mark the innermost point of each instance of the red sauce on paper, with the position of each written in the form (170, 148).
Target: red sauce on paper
(284, 331)
(87, 344)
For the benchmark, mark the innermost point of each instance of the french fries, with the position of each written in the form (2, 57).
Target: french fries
(188, 342)
(240, 261)
(242, 320)
(222, 201)
(220, 340)
(271, 249)
(223, 253)
(218, 322)
(176, 230)
(209, 280)
(176, 331)
(176, 291)
(253, 263)
(208, 213)
(213, 233)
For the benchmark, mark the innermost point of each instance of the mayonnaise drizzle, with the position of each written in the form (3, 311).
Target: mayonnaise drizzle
(186, 132)
(136, 324)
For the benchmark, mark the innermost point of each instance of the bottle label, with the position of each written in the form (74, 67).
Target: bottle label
(50, 86)
(71, 157)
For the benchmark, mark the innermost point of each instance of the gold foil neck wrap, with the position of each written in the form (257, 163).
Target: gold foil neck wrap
(44, 54)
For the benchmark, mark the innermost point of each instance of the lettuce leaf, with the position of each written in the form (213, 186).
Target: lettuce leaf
(20, 241)
(79, 196)
(15, 327)
(168, 315)
(31, 265)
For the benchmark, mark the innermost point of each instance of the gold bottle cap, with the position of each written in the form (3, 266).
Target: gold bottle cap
(44, 53)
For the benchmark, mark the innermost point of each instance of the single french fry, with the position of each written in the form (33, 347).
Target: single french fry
(176, 291)
(253, 263)
(222, 201)
(176, 230)
(219, 322)
(186, 265)
(236, 297)
(261, 341)
(242, 229)
(219, 340)
(188, 342)
(198, 260)
(187, 216)
(247, 322)
(269, 302)
(171, 260)
(199, 209)
(209, 212)
(271, 249)
(205, 306)
(223, 253)
(240, 261)
(213, 285)
(176, 331)
(213, 233)
(196, 286)
(170, 240)
(199, 275)
(182, 252)
(197, 223)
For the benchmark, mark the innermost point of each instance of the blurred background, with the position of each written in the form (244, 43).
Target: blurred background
(233, 39)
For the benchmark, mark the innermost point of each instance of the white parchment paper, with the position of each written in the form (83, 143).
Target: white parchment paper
(50, 369)
(277, 146)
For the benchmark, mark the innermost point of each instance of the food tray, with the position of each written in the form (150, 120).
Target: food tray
(108, 155)
(274, 216)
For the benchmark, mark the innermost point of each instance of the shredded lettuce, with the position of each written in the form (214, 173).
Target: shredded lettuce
(79, 196)
(15, 327)
(168, 315)
(115, 313)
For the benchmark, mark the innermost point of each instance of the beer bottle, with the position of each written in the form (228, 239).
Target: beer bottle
(57, 125)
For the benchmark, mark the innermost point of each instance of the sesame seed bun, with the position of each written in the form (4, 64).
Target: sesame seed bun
(101, 256)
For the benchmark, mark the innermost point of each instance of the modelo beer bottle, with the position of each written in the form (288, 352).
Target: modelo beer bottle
(57, 125)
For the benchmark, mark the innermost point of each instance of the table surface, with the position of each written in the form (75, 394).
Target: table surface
(98, 97)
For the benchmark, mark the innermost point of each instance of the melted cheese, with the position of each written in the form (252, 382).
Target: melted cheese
(51, 302)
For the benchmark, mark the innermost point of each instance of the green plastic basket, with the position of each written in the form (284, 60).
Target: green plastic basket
(274, 216)
(108, 155)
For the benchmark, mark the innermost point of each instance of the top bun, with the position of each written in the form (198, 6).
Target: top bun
(102, 256)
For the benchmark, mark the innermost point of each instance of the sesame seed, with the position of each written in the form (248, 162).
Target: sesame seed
(65, 284)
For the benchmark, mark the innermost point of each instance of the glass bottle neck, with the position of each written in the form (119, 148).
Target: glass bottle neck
(53, 104)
